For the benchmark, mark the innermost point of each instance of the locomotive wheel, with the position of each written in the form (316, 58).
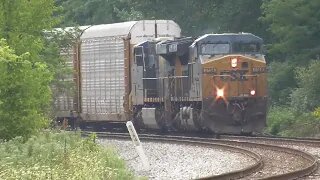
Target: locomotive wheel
(160, 119)
(177, 122)
(206, 124)
(237, 117)
(197, 119)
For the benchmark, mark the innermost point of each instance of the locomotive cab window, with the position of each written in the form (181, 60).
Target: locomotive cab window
(251, 48)
(215, 49)
(138, 53)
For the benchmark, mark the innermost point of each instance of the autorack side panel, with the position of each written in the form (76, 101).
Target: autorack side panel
(103, 83)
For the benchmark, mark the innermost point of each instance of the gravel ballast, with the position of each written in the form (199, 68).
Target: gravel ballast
(312, 150)
(179, 161)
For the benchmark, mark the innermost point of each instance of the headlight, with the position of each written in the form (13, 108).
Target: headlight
(220, 92)
(252, 92)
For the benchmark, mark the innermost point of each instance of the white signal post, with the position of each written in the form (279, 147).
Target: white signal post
(138, 145)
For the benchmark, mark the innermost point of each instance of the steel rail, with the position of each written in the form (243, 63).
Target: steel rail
(275, 139)
(229, 175)
(308, 169)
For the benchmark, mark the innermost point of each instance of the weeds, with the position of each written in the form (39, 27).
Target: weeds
(59, 156)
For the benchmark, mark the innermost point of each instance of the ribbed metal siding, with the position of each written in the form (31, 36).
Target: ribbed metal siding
(102, 70)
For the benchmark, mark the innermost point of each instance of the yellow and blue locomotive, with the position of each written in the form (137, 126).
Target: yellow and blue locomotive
(216, 82)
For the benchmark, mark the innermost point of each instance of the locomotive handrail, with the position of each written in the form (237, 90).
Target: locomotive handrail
(221, 75)
(150, 78)
(227, 75)
(250, 75)
(172, 77)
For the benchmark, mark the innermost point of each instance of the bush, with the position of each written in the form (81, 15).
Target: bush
(59, 156)
(24, 94)
(307, 96)
(305, 125)
(285, 121)
(279, 119)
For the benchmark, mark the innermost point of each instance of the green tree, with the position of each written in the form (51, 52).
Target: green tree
(281, 82)
(294, 25)
(25, 25)
(24, 93)
(207, 16)
(307, 97)
(194, 17)
(22, 23)
(88, 12)
(294, 28)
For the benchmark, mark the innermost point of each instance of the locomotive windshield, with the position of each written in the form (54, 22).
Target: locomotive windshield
(237, 47)
(216, 45)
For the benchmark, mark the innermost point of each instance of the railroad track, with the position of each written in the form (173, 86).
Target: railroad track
(310, 145)
(265, 155)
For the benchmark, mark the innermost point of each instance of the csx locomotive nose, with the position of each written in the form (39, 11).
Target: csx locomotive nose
(233, 70)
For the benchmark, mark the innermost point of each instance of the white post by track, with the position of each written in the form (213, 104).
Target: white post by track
(138, 145)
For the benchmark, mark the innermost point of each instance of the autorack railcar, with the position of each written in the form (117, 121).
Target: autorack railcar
(101, 63)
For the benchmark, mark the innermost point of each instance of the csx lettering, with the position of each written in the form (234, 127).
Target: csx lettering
(234, 75)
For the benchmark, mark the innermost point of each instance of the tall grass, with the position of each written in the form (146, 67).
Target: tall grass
(59, 156)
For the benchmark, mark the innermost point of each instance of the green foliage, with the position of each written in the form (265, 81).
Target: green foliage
(297, 119)
(237, 16)
(24, 93)
(307, 97)
(59, 156)
(86, 12)
(284, 121)
(194, 17)
(22, 23)
(305, 125)
(279, 118)
(280, 82)
(295, 28)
